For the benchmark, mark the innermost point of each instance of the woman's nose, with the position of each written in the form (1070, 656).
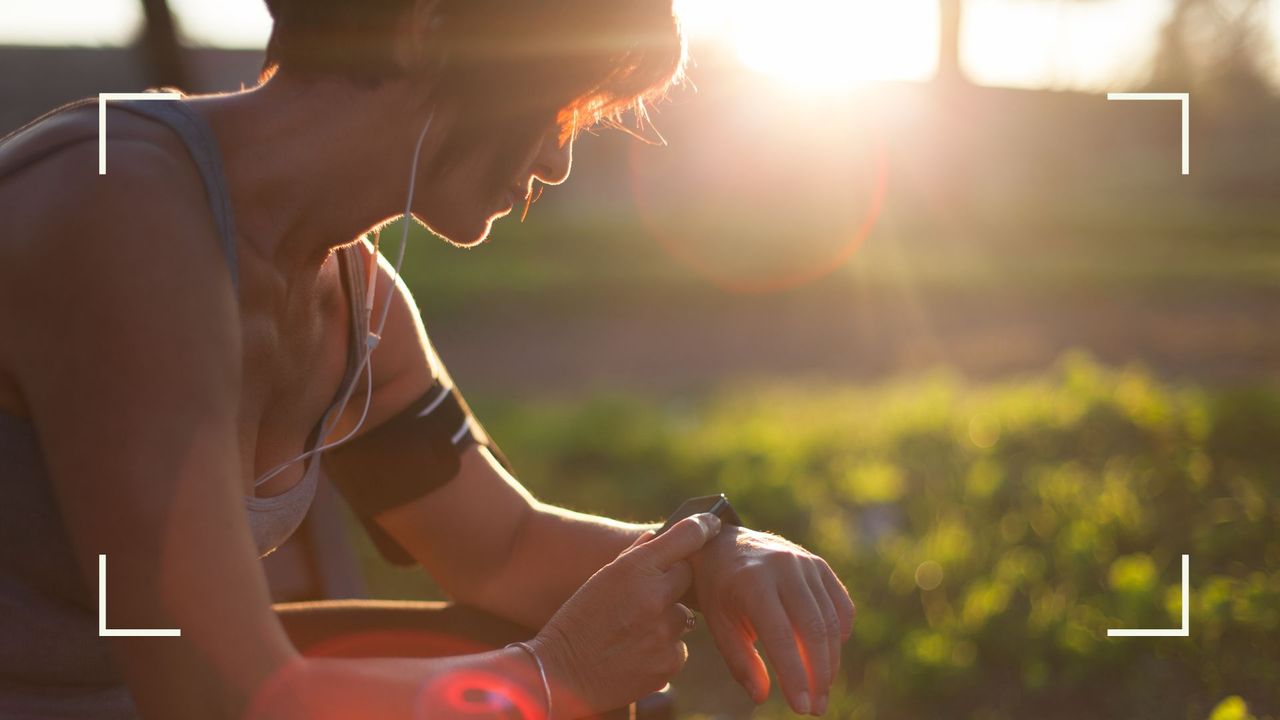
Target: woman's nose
(554, 161)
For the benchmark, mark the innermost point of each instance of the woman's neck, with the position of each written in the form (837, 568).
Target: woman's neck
(311, 165)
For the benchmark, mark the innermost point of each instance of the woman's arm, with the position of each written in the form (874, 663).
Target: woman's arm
(482, 536)
(489, 543)
(131, 369)
(129, 361)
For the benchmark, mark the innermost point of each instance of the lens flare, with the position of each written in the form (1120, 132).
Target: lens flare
(765, 194)
(477, 694)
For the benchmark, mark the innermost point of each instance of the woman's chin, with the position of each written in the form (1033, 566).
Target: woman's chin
(467, 235)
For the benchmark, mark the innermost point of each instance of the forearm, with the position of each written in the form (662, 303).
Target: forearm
(319, 689)
(555, 552)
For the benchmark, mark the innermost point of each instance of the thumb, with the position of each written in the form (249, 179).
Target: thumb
(680, 541)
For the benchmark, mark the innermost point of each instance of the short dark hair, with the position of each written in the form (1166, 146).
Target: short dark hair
(586, 60)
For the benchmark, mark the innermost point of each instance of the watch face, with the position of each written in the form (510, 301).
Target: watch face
(693, 506)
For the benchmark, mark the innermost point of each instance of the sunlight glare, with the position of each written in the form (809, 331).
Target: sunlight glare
(227, 23)
(69, 22)
(1062, 45)
(823, 44)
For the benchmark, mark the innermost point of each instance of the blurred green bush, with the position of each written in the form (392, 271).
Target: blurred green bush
(990, 535)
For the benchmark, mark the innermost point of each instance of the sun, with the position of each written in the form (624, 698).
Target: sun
(822, 44)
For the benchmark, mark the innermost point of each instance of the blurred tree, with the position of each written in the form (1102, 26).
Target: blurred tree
(1219, 42)
(950, 26)
(950, 31)
(163, 56)
(1215, 45)
(1172, 65)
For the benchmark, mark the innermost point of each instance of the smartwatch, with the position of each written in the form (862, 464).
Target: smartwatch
(717, 505)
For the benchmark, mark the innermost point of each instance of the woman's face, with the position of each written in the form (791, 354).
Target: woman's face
(462, 199)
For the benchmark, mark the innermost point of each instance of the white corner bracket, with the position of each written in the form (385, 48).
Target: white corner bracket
(1185, 630)
(103, 630)
(102, 118)
(1185, 99)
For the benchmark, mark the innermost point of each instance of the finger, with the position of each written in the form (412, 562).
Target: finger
(736, 643)
(682, 619)
(806, 617)
(681, 658)
(683, 539)
(784, 647)
(676, 581)
(831, 619)
(845, 608)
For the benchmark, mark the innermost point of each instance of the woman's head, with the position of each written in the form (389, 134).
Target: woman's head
(517, 78)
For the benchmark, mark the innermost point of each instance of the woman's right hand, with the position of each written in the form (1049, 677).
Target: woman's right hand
(618, 638)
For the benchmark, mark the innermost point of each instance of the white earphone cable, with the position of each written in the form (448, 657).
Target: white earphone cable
(373, 337)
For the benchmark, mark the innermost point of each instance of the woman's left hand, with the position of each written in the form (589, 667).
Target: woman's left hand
(752, 585)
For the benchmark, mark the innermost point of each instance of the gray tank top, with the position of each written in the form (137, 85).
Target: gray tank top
(52, 662)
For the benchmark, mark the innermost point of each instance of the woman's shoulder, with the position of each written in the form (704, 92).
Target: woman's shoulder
(74, 131)
(58, 154)
(77, 241)
(58, 207)
(54, 161)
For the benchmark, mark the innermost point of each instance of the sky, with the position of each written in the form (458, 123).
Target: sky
(1092, 45)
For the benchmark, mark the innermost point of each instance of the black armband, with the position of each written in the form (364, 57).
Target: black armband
(416, 451)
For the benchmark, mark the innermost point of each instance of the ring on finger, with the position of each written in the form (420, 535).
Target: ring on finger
(690, 620)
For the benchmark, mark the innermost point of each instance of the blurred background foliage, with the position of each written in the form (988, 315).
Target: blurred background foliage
(989, 533)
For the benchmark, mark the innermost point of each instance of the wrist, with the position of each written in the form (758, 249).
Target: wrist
(529, 673)
(704, 563)
(566, 698)
(718, 505)
(690, 598)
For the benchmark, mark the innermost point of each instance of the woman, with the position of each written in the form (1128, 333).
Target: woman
(186, 335)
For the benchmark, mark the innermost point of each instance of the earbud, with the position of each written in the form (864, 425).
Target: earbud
(374, 336)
